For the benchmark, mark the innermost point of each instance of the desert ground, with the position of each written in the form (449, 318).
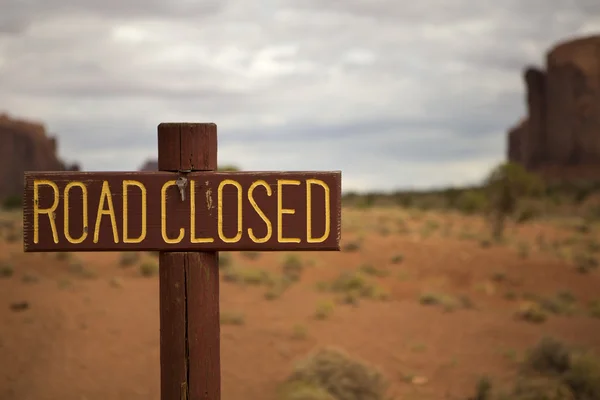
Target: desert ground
(424, 296)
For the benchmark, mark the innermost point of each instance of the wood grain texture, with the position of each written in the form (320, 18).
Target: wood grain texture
(179, 214)
(189, 285)
(187, 146)
(203, 325)
(169, 147)
(173, 325)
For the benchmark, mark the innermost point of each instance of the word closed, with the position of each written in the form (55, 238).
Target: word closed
(202, 211)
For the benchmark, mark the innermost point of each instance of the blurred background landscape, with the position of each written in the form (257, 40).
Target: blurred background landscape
(468, 136)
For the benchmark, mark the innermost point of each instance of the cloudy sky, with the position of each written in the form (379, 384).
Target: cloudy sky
(396, 94)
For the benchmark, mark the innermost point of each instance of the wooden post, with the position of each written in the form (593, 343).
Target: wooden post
(189, 283)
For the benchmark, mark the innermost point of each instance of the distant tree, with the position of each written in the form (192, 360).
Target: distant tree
(12, 202)
(228, 168)
(505, 186)
(471, 201)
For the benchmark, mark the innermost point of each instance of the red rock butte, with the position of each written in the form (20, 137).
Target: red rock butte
(25, 146)
(560, 136)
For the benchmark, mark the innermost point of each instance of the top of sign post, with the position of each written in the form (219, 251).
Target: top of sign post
(170, 211)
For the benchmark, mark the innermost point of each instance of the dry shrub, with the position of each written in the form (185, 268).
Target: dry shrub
(354, 285)
(506, 186)
(549, 357)
(292, 268)
(531, 312)
(583, 377)
(246, 275)
(128, 259)
(555, 371)
(471, 202)
(149, 269)
(6, 269)
(541, 388)
(330, 374)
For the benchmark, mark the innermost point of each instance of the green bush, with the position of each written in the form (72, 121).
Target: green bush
(527, 213)
(228, 168)
(292, 268)
(6, 269)
(505, 186)
(12, 203)
(149, 269)
(224, 260)
(330, 374)
(247, 275)
(471, 202)
(549, 356)
(129, 259)
(554, 371)
(583, 377)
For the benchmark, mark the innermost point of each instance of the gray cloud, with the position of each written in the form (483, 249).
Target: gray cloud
(34, 11)
(392, 93)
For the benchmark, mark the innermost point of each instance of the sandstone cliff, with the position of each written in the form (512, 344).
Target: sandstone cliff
(562, 129)
(24, 146)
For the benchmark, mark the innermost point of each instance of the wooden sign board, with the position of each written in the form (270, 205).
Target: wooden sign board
(167, 211)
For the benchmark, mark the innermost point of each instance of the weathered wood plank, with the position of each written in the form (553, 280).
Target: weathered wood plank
(121, 211)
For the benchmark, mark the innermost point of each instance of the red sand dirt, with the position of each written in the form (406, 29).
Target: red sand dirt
(97, 338)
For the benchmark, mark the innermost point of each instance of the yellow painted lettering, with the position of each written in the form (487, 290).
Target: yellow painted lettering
(143, 209)
(238, 236)
(106, 197)
(193, 237)
(163, 215)
(260, 212)
(281, 211)
(48, 211)
(84, 197)
(309, 237)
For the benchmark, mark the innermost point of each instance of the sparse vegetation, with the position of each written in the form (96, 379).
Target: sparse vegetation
(224, 259)
(276, 287)
(12, 203)
(551, 371)
(331, 374)
(149, 268)
(6, 269)
(369, 269)
(299, 332)
(397, 259)
(29, 278)
(116, 282)
(505, 186)
(14, 236)
(523, 250)
(251, 255)
(324, 309)
(129, 258)
(585, 262)
(499, 276)
(353, 285)
(384, 257)
(471, 202)
(292, 268)
(247, 275)
(232, 318)
(63, 256)
(594, 308)
(447, 302)
(81, 271)
(531, 312)
(351, 246)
